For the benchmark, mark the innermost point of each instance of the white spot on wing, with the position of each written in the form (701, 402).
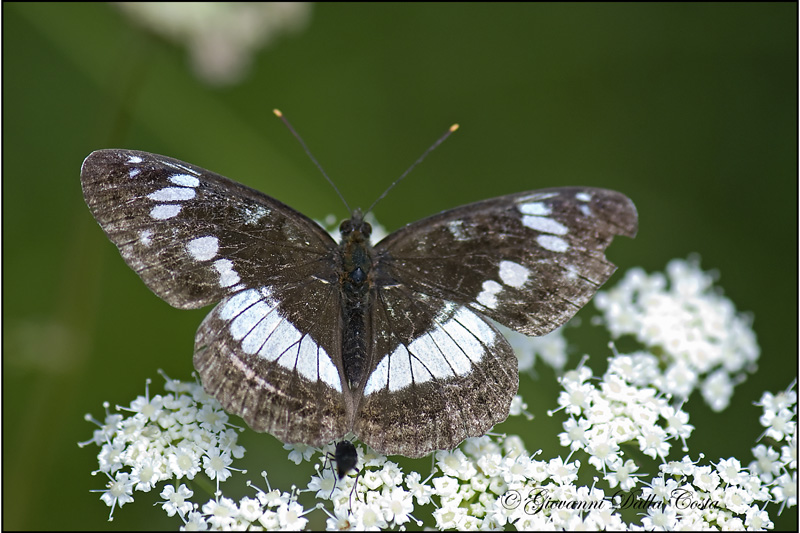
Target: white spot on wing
(254, 214)
(172, 194)
(379, 379)
(260, 332)
(535, 208)
(134, 160)
(456, 228)
(585, 209)
(488, 296)
(307, 358)
(134, 172)
(184, 180)
(583, 196)
(428, 354)
(544, 225)
(452, 351)
(145, 236)
(227, 275)
(238, 303)
(203, 248)
(279, 342)
(399, 371)
(552, 243)
(248, 325)
(328, 372)
(476, 326)
(513, 274)
(165, 211)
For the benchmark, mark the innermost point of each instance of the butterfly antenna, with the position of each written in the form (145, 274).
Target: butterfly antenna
(441, 139)
(310, 155)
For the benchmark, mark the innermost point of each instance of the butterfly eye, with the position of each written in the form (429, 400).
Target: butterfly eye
(366, 229)
(346, 228)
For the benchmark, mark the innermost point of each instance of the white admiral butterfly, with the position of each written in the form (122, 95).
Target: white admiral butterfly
(311, 339)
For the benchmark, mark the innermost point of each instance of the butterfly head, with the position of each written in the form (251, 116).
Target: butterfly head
(355, 228)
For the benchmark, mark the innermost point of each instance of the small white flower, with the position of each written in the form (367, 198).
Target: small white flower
(419, 489)
(221, 37)
(396, 504)
(767, 462)
(184, 460)
(290, 516)
(561, 472)
(147, 471)
(653, 442)
(176, 500)
(120, 492)
(444, 486)
(212, 419)
(216, 463)
(299, 452)
(221, 514)
(785, 490)
(450, 517)
(779, 424)
(622, 476)
(705, 479)
(574, 434)
(149, 409)
(660, 518)
(737, 500)
(454, 463)
(730, 471)
(603, 453)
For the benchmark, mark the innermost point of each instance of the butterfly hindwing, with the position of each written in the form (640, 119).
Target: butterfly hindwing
(529, 261)
(277, 368)
(441, 373)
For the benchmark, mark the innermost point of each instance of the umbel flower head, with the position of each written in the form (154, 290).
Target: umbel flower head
(618, 431)
(692, 335)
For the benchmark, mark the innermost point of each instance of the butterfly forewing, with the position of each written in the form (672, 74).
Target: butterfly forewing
(195, 237)
(529, 261)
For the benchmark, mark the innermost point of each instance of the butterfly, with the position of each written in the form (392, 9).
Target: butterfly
(311, 339)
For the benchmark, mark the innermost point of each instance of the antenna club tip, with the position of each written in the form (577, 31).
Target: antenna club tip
(454, 127)
(277, 113)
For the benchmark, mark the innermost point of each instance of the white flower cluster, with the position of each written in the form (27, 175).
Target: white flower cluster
(726, 495)
(221, 36)
(693, 335)
(614, 412)
(168, 437)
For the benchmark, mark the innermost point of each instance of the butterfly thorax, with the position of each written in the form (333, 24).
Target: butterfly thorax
(356, 281)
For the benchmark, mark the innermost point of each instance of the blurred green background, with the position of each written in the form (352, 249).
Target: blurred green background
(690, 109)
